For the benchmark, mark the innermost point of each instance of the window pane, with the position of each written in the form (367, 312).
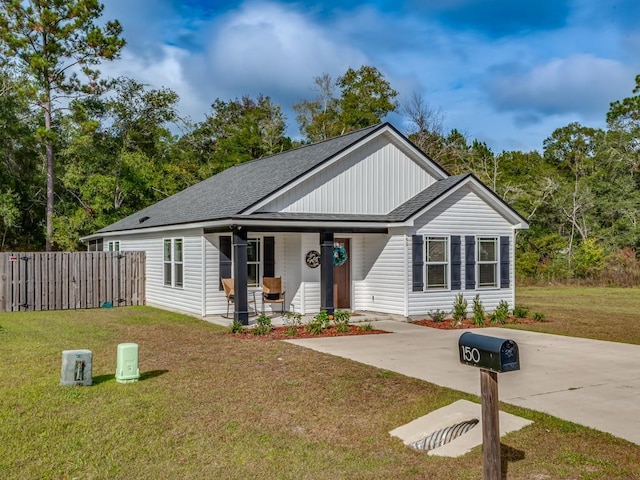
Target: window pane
(253, 250)
(487, 275)
(487, 247)
(167, 250)
(177, 249)
(167, 274)
(436, 250)
(436, 276)
(253, 275)
(178, 282)
(116, 246)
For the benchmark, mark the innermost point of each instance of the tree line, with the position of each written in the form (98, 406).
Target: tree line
(80, 152)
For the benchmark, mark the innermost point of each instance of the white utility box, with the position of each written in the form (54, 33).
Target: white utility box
(127, 369)
(76, 367)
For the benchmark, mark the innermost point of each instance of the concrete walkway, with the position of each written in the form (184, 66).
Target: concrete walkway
(588, 382)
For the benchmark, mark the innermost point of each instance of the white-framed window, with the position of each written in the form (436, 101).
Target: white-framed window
(487, 262)
(114, 245)
(254, 262)
(436, 263)
(173, 262)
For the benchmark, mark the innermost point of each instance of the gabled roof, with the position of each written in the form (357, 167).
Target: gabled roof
(235, 189)
(231, 195)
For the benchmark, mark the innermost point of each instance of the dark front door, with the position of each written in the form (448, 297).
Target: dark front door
(342, 278)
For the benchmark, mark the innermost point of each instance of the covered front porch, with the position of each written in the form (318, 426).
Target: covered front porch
(313, 279)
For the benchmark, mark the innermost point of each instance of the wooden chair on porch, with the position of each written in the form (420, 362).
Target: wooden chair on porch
(227, 285)
(272, 292)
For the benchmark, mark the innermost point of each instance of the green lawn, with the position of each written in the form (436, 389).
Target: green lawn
(209, 405)
(600, 313)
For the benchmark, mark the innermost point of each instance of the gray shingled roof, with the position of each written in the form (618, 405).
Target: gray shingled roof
(232, 191)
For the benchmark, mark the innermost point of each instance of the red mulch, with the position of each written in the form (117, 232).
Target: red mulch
(279, 333)
(449, 323)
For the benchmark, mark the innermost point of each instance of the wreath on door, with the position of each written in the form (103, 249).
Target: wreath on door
(339, 256)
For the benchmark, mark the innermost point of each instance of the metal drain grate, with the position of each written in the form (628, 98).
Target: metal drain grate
(444, 435)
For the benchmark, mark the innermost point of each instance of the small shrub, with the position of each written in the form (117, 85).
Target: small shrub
(478, 311)
(437, 315)
(366, 327)
(263, 325)
(292, 319)
(291, 331)
(341, 316)
(341, 320)
(315, 327)
(342, 327)
(520, 312)
(323, 318)
(237, 327)
(539, 317)
(459, 311)
(501, 313)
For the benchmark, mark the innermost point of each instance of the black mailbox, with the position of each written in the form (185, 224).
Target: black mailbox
(490, 353)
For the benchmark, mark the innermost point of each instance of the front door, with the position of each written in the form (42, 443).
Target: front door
(342, 276)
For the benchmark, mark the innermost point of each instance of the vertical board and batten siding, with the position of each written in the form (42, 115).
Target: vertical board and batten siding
(71, 280)
(464, 213)
(385, 274)
(187, 298)
(374, 179)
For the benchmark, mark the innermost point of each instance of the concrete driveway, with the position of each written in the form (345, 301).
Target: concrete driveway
(589, 382)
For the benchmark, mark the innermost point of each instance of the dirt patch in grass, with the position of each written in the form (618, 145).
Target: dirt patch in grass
(289, 333)
(451, 324)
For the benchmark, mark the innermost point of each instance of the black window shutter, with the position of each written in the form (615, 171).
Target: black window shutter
(225, 259)
(269, 253)
(455, 263)
(470, 262)
(504, 262)
(417, 243)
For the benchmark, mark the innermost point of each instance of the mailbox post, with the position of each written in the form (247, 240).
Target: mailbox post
(492, 355)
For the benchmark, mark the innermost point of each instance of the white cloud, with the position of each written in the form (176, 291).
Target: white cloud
(581, 84)
(281, 47)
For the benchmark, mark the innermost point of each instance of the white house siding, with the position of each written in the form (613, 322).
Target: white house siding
(384, 274)
(185, 299)
(390, 175)
(358, 284)
(216, 302)
(463, 213)
(308, 294)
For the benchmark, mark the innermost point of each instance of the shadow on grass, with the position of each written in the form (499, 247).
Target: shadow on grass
(509, 455)
(97, 380)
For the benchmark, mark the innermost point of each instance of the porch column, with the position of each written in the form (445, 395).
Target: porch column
(326, 271)
(241, 313)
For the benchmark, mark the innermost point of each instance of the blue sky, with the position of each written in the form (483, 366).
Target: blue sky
(507, 72)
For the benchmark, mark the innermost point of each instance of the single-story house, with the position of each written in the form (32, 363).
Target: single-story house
(364, 222)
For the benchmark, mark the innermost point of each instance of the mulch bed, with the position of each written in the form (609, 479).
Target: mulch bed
(449, 323)
(280, 333)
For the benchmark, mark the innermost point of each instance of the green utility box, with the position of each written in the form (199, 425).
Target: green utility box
(127, 363)
(76, 367)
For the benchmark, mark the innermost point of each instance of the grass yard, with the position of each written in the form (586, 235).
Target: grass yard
(601, 313)
(212, 406)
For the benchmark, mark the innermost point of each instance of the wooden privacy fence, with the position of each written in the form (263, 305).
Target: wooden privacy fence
(70, 280)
